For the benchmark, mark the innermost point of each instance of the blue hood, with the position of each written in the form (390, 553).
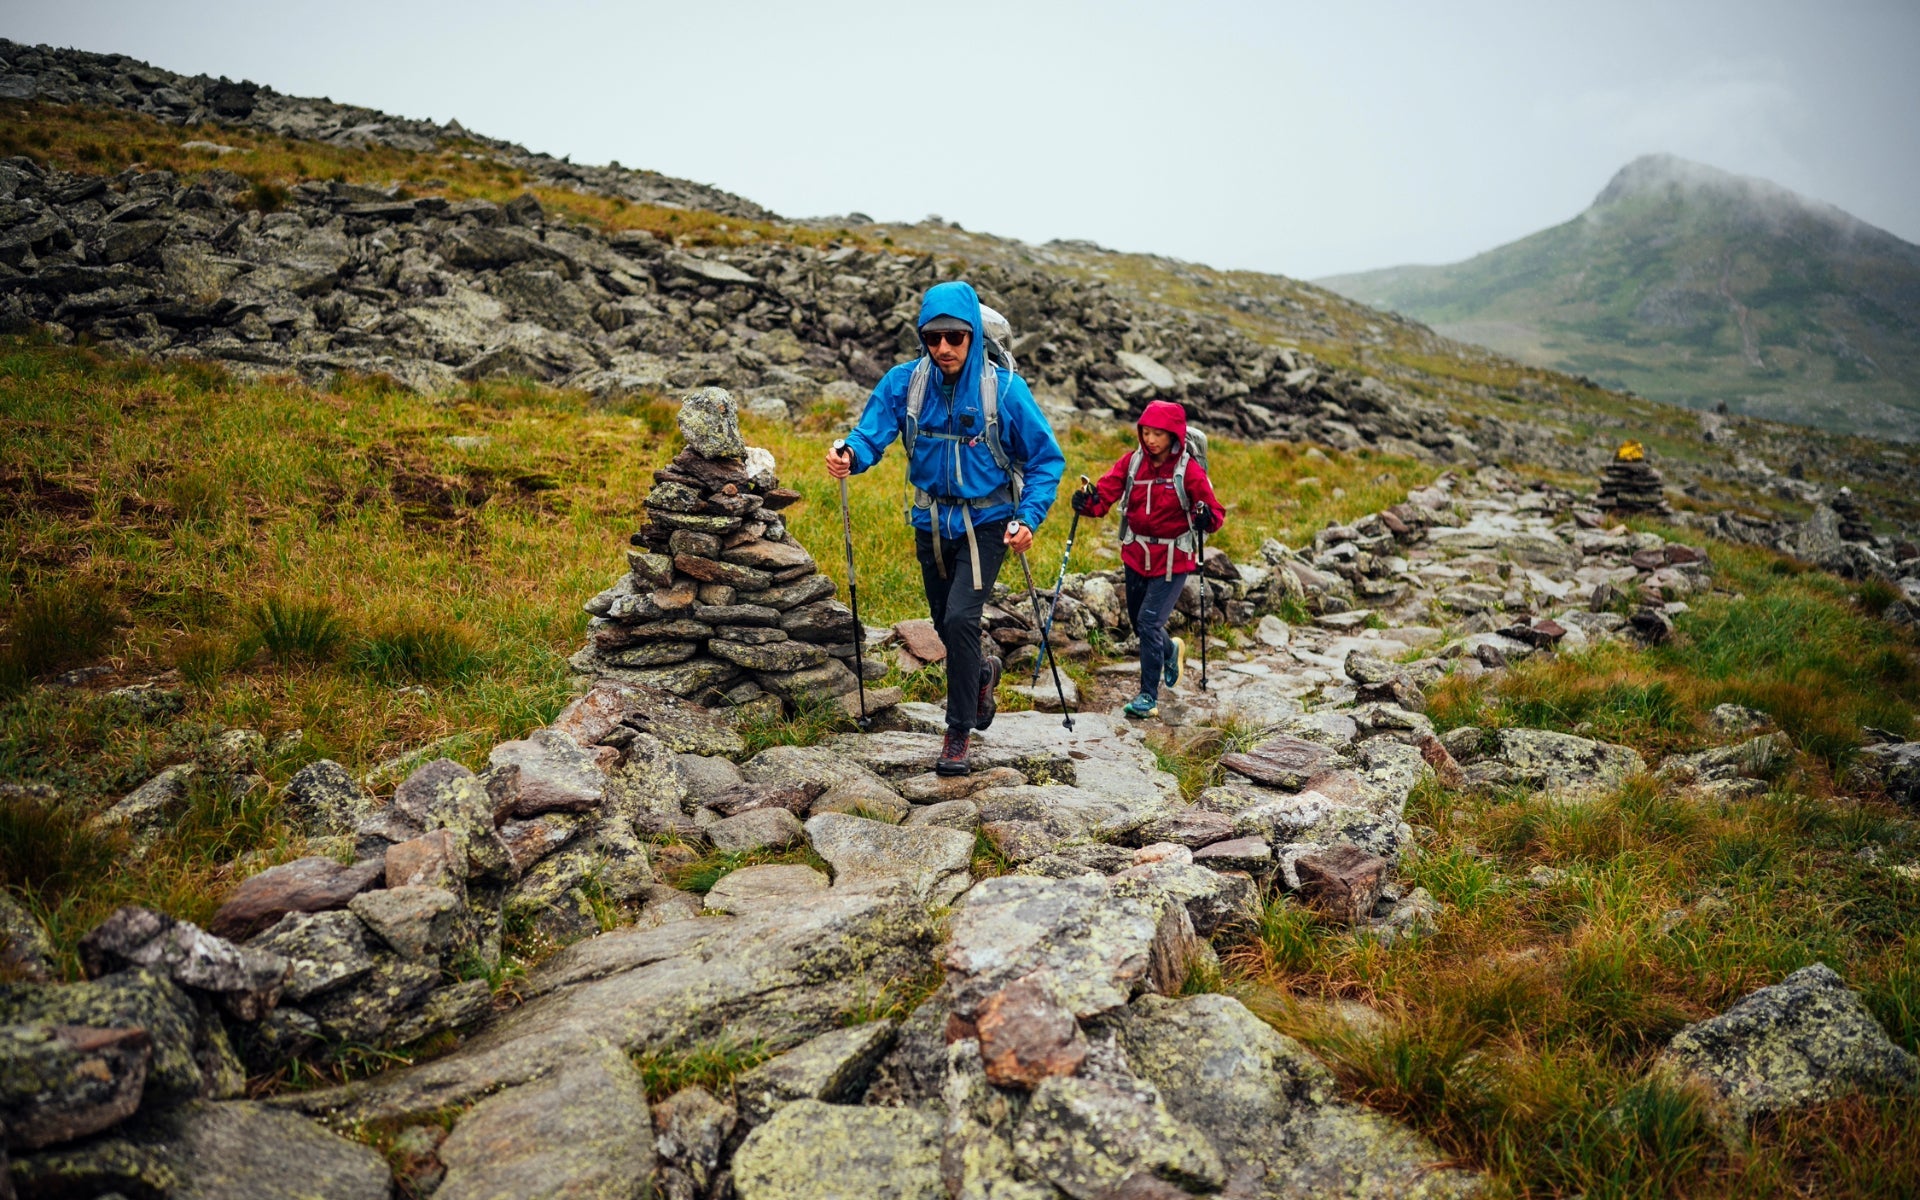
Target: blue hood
(959, 300)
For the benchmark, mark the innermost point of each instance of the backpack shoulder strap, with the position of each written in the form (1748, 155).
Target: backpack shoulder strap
(1180, 480)
(916, 400)
(1126, 493)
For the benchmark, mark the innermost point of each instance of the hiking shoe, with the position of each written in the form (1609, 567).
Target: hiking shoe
(989, 687)
(953, 755)
(1176, 662)
(1142, 707)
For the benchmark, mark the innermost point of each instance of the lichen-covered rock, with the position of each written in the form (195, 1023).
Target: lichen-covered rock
(1098, 942)
(691, 1130)
(1569, 767)
(445, 795)
(833, 1067)
(191, 1055)
(373, 1003)
(1271, 1109)
(417, 923)
(1894, 767)
(247, 981)
(324, 800)
(710, 423)
(1214, 899)
(763, 886)
(1801, 1041)
(555, 774)
(305, 885)
(934, 862)
(61, 1082)
(757, 829)
(782, 975)
(914, 1072)
(976, 1155)
(816, 1151)
(212, 1151)
(148, 808)
(1091, 1139)
(445, 1008)
(1755, 758)
(583, 1131)
(325, 951)
(25, 948)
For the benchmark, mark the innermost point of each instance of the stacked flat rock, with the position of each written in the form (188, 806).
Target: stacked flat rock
(1853, 518)
(719, 603)
(1629, 484)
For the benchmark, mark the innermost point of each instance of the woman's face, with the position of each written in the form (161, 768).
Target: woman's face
(1156, 441)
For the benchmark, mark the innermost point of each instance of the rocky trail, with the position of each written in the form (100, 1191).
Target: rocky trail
(937, 987)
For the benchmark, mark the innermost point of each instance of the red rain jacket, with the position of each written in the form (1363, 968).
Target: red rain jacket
(1154, 510)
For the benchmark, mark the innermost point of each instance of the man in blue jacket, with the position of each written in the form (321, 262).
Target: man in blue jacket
(984, 467)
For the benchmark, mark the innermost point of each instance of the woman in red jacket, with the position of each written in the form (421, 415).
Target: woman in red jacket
(1167, 501)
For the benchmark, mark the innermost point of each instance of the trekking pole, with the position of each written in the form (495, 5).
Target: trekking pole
(853, 595)
(1059, 584)
(1059, 688)
(1201, 574)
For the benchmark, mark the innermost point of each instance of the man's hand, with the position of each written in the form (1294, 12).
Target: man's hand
(1019, 538)
(839, 462)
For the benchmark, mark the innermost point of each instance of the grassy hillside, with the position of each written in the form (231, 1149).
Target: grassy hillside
(327, 562)
(1695, 287)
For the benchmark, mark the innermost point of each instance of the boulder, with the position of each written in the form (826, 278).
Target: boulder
(445, 795)
(1093, 1140)
(1343, 882)
(417, 923)
(691, 1130)
(325, 951)
(1097, 943)
(1796, 1043)
(1282, 762)
(767, 885)
(246, 981)
(1271, 1109)
(1894, 767)
(1028, 1034)
(756, 829)
(681, 726)
(710, 423)
(1213, 899)
(190, 1055)
(212, 1151)
(305, 885)
(933, 862)
(437, 860)
(782, 975)
(833, 1067)
(555, 774)
(323, 800)
(375, 1003)
(61, 1082)
(147, 809)
(815, 1151)
(1569, 767)
(582, 1131)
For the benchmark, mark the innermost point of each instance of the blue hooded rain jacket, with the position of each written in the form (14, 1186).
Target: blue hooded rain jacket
(950, 469)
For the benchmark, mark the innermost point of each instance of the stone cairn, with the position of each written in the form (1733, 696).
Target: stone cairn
(719, 604)
(1853, 518)
(1629, 484)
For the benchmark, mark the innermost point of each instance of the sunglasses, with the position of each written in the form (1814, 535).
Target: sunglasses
(951, 337)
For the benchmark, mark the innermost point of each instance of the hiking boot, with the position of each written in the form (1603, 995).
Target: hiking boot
(989, 687)
(1176, 662)
(1142, 707)
(953, 755)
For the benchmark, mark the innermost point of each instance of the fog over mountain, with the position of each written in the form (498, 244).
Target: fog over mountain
(1697, 286)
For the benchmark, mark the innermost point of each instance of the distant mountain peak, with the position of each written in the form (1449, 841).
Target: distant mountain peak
(1678, 178)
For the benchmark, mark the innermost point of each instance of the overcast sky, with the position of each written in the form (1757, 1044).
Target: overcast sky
(1305, 139)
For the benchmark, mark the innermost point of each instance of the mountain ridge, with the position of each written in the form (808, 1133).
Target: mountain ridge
(1699, 287)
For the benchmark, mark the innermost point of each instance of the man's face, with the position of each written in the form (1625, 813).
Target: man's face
(948, 348)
